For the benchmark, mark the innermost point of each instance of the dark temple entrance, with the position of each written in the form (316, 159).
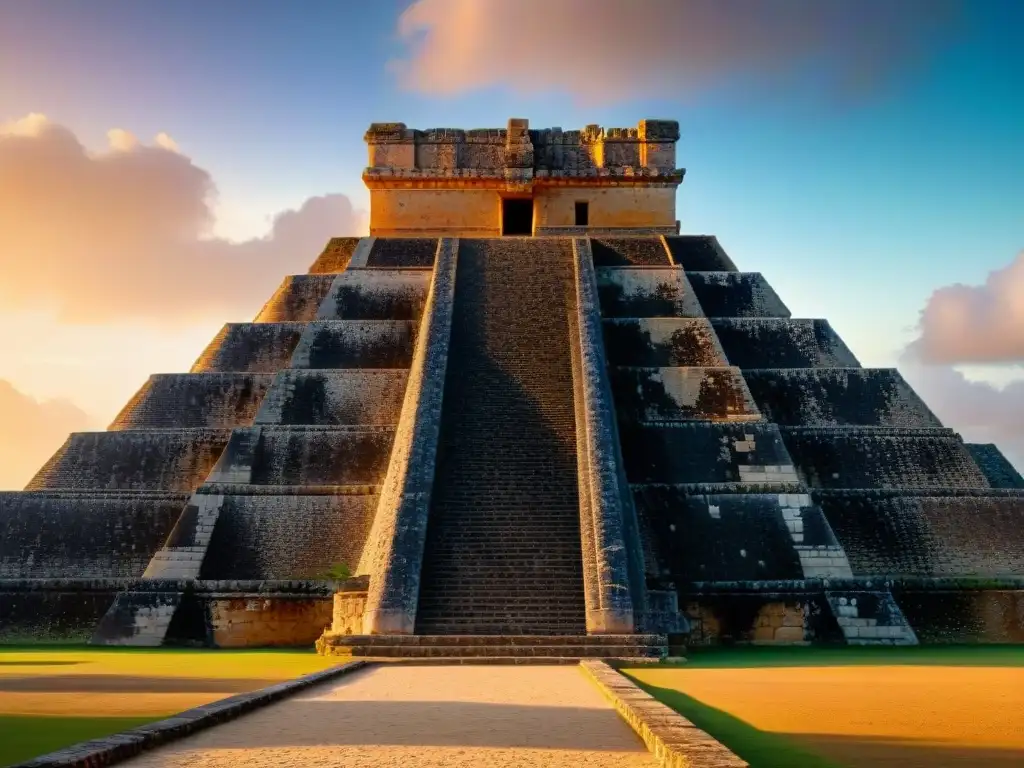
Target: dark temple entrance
(517, 216)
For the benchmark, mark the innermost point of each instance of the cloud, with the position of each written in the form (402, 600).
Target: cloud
(121, 235)
(975, 324)
(30, 432)
(613, 49)
(981, 412)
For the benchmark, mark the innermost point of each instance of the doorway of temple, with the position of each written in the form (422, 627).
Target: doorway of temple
(517, 216)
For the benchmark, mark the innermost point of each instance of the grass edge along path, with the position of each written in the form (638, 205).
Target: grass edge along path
(763, 749)
(25, 736)
(759, 748)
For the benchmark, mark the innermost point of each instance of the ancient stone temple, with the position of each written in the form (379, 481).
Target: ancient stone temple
(523, 418)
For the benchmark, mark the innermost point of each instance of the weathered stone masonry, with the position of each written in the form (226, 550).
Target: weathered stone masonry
(610, 431)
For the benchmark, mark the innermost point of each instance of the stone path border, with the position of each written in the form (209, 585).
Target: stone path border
(674, 741)
(120, 746)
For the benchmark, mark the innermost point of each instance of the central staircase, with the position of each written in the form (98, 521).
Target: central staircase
(503, 538)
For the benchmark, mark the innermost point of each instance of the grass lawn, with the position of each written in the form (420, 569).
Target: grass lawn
(53, 696)
(852, 707)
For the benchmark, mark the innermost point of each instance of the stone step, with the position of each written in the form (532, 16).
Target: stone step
(505, 505)
(500, 640)
(480, 651)
(870, 618)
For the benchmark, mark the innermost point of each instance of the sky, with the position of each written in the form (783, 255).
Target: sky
(164, 165)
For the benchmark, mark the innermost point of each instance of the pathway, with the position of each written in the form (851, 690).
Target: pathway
(391, 716)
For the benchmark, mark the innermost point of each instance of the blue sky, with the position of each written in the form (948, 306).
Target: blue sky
(855, 206)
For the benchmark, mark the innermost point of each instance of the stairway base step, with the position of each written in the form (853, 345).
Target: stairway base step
(484, 648)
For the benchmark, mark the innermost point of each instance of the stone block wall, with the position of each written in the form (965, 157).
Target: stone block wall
(655, 395)
(264, 621)
(882, 458)
(629, 251)
(929, 533)
(133, 460)
(821, 397)
(698, 253)
(662, 342)
(403, 252)
(288, 536)
(721, 537)
(297, 300)
(704, 452)
(83, 535)
(963, 615)
(782, 343)
(353, 396)
(999, 472)
(195, 400)
(649, 292)
(335, 257)
(356, 344)
(377, 294)
(761, 619)
(736, 294)
(53, 610)
(250, 347)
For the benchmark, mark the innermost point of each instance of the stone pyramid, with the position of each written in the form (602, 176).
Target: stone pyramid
(583, 437)
(439, 415)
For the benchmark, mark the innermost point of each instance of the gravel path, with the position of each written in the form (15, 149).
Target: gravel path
(391, 716)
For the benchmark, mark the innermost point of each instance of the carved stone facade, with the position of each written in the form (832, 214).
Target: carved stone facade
(451, 182)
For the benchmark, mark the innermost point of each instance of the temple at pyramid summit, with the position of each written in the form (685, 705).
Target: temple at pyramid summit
(524, 418)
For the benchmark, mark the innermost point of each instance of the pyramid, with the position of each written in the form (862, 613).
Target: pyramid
(581, 442)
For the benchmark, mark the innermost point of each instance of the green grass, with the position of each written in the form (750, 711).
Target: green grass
(759, 748)
(771, 750)
(797, 656)
(23, 737)
(80, 716)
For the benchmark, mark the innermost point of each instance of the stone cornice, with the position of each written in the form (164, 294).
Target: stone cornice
(475, 178)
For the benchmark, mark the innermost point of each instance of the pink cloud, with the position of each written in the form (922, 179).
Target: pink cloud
(981, 412)
(122, 235)
(975, 323)
(608, 50)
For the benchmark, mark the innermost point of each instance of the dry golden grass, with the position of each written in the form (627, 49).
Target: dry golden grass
(934, 716)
